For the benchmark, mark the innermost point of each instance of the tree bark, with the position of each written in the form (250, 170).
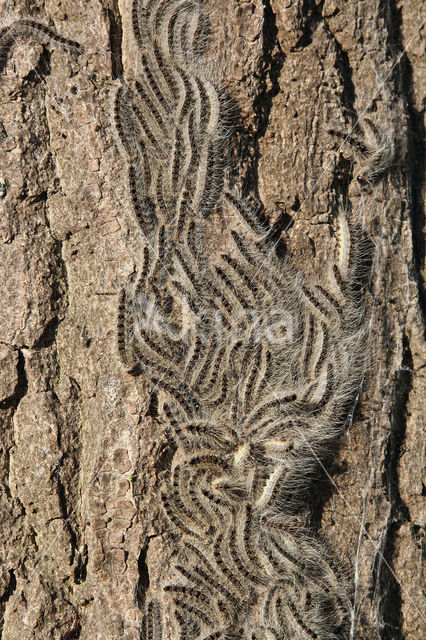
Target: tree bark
(81, 457)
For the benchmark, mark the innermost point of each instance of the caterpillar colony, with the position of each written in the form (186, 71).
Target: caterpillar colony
(258, 369)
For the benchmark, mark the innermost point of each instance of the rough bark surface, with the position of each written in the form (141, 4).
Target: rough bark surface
(80, 458)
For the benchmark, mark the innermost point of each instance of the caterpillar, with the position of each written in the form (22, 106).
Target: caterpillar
(274, 364)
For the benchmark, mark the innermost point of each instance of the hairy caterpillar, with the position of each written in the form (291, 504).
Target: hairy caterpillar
(376, 147)
(259, 376)
(26, 27)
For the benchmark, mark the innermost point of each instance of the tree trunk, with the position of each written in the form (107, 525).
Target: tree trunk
(82, 451)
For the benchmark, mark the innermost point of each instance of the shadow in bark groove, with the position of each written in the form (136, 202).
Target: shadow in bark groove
(21, 387)
(115, 39)
(143, 581)
(272, 63)
(5, 596)
(66, 514)
(80, 571)
(11, 586)
(388, 589)
(413, 160)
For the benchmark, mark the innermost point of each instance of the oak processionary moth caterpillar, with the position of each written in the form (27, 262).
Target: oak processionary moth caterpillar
(256, 367)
